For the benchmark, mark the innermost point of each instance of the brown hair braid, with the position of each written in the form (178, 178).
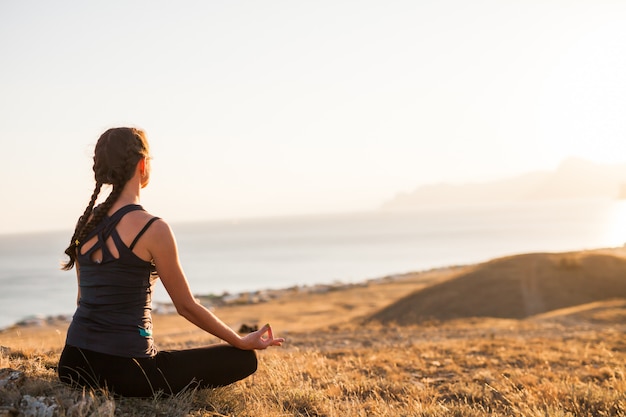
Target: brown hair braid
(116, 155)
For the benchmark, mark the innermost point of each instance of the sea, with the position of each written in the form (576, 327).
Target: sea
(247, 255)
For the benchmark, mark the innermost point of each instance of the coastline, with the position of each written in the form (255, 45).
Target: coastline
(251, 303)
(316, 305)
(244, 257)
(246, 298)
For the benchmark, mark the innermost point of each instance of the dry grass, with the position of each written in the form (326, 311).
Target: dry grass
(570, 362)
(465, 368)
(516, 287)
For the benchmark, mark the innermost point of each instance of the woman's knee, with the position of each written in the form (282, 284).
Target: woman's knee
(244, 360)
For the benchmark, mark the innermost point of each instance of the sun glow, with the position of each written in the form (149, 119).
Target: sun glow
(615, 232)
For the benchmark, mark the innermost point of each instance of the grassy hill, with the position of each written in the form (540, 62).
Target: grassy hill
(515, 287)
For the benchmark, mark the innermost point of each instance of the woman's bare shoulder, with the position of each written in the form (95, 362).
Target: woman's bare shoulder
(160, 227)
(134, 221)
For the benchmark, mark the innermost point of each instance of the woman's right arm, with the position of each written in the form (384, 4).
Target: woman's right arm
(164, 252)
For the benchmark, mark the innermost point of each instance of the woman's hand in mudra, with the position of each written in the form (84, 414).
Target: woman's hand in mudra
(261, 339)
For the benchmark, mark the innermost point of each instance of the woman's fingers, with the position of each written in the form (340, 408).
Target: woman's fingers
(270, 340)
(259, 340)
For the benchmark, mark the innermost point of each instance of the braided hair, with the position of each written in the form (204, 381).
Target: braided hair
(116, 155)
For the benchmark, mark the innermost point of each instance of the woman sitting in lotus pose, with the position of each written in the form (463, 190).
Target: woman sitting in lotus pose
(119, 251)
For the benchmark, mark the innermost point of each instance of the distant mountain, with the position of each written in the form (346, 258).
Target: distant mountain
(574, 179)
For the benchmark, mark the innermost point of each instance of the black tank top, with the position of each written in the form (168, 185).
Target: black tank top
(114, 310)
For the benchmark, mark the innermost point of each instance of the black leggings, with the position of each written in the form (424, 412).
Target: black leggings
(168, 372)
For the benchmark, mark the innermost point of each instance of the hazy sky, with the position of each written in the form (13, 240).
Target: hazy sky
(287, 107)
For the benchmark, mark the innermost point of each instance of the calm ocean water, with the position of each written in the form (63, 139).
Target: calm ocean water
(276, 253)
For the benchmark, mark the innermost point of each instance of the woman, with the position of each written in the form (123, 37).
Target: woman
(119, 250)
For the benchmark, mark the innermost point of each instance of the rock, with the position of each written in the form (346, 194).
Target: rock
(38, 406)
(88, 406)
(10, 377)
(36, 320)
(248, 328)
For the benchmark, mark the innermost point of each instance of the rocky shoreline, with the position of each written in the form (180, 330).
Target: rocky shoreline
(213, 301)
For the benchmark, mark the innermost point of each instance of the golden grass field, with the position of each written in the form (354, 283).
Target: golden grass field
(528, 335)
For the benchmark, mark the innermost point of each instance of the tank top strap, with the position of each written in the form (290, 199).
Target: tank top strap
(109, 223)
(142, 231)
(117, 216)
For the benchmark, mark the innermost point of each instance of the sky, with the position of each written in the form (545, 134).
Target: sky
(265, 109)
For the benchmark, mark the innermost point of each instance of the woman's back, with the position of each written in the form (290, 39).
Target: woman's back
(113, 314)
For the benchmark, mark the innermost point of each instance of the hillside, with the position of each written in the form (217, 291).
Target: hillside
(515, 287)
(573, 179)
